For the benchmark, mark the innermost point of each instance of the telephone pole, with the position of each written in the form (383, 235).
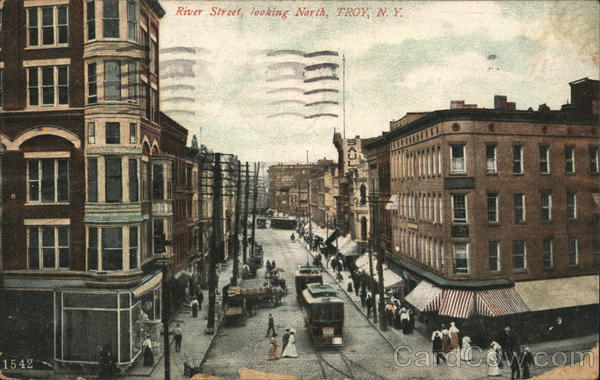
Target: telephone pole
(245, 221)
(216, 242)
(379, 253)
(254, 198)
(236, 238)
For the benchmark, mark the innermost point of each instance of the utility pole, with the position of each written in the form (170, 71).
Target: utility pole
(371, 275)
(245, 221)
(380, 258)
(165, 320)
(216, 242)
(309, 217)
(254, 196)
(236, 238)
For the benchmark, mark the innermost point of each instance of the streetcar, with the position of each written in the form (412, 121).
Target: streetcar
(306, 274)
(324, 315)
(283, 223)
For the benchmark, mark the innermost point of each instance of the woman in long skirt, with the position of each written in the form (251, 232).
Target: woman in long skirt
(148, 354)
(273, 351)
(492, 361)
(290, 348)
(466, 353)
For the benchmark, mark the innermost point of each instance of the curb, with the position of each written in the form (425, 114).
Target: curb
(353, 303)
(212, 340)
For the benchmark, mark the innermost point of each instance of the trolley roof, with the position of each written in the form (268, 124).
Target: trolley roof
(308, 270)
(321, 298)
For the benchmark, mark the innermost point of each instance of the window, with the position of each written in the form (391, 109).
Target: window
(459, 208)
(131, 20)
(48, 247)
(92, 180)
(159, 236)
(132, 82)
(492, 208)
(91, 132)
(112, 248)
(158, 187)
(93, 248)
(54, 86)
(546, 207)
(132, 133)
(113, 180)
(569, 159)
(517, 159)
(571, 205)
(494, 252)
(92, 83)
(544, 159)
(461, 258)
(144, 45)
(573, 252)
(153, 108)
(133, 180)
(48, 180)
(91, 19)
(133, 247)
(144, 99)
(594, 152)
(153, 56)
(112, 80)
(458, 158)
(113, 133)
(519, 201)
(110, 19)
(490, 159)
(595, 251)
(519, 255)
(547, 256)
(54, 28)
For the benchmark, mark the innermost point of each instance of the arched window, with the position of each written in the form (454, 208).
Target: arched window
(363, 228)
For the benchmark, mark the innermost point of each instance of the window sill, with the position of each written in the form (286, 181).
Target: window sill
(491, 174)
(456, 174)
(47, 203)
(545, 174)
(518, 174)
(548, 268)
(39, 47)
(546, 222)
(519, 271)
(494, 224)
(48, 107)
(521, 223)
(573, 173)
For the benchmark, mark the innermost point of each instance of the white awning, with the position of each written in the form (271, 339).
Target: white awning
(425, 296)
(390, 279)
(559, 293)
(148, 285)
(393, 203)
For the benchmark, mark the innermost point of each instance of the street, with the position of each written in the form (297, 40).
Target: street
(366, 354)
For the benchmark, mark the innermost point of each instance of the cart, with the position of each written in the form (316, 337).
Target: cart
(236, 312)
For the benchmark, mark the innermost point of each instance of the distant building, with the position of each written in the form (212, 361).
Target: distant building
(288, 188)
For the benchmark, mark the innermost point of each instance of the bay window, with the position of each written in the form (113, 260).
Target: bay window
(91, 19)
(133, 180)
(48, 247)
(92, 83)
(48, 180)
(112, 80)
(133, 247)
(158, 186)
(92, 180)
(113, 133)
(132, 82)
(113, 180)
(110, 20)
(131, 20)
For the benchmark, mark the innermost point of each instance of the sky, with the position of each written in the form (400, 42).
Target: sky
(222, 81)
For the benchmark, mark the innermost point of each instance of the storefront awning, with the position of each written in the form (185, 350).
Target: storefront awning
(148, 285)
(498, 302)
(456, 303)
(393, 203)
(425, 296)
(390, 279)
(559, 293)
(363, 262)
(350, 250)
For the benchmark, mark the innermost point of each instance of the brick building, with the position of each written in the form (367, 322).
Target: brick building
(288, 188)
(88, 165)
(323, 193)
(489, 209)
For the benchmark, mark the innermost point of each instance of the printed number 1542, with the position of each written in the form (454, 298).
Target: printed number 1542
(16, 364)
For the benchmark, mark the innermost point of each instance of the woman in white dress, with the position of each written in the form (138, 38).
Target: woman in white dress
(290, 349)
(492, 362)
(466, 354)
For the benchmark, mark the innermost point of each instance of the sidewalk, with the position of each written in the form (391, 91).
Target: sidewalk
(196, 343)
(420, 340)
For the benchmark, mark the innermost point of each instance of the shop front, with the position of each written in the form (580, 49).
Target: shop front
(114, 319)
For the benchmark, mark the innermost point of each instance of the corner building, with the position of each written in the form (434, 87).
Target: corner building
(86, 186)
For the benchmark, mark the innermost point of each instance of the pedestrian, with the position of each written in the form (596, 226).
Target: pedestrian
(147, 349)
(273, 351)
(466, 352)
(404, 320)
(363, 296)
(339, 277)
(200, 298)
(292, 237)
(268, 266)
(453, 330)
(369, 303)
(508, 344)
(357, 285)
(515, 365)
(527, 360)
(498, 349)
(397, 320)
(411, 321)
(285, 339)
(436, 347)
(195, 307)
(492, 362)
(446, 347)
(178, 335)
(290, 349)
(271, 326)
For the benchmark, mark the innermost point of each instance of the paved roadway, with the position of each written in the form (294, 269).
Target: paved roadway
(366, 354)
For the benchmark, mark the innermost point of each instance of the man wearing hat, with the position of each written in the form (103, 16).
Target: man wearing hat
(285, 339)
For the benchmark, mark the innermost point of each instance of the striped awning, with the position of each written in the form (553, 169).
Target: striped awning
(457, 303)
(498, 302)
(425, 297)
